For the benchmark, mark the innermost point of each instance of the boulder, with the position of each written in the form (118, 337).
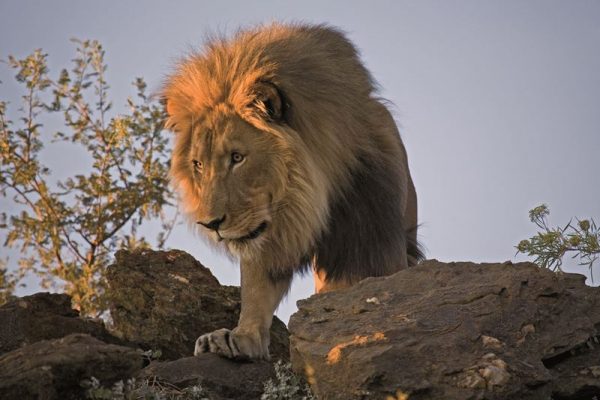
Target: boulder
(29, 319)
(164, 300)
(452, 331)
(54, 369)
(220, 378)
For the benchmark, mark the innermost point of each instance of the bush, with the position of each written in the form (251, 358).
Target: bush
(67, 229)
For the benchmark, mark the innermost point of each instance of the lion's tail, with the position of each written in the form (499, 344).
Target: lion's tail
(414, 249)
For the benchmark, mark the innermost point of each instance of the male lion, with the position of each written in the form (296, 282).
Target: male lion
(288, 159)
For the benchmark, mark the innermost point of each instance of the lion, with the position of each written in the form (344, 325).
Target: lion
(287, 159)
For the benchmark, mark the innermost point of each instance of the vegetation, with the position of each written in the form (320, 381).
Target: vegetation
(147, 389)
(67, 229)
(286, 386)
(7, 285)
(550, 245)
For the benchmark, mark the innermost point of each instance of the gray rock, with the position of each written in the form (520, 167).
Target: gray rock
(29, 319)
(220, 378)
(452, 331)
(54, 369)
(164, 300)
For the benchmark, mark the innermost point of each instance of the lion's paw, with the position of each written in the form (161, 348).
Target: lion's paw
(232, 344)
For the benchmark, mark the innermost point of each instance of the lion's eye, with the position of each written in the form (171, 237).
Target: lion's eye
(236, 158)
(197, 164)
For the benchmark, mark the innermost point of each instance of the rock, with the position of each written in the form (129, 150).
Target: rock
(220, 378)
(453, 331)
(165, 300)
(29, 319)
(54, 369)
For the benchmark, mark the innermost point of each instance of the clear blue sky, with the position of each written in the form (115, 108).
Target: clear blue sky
(498, 102)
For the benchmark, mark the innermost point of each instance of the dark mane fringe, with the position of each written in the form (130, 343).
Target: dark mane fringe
(414, 248)
(366, 234)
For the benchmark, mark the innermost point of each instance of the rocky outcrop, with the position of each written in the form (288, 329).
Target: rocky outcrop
(453, 331)
(220, 378)
(435, 331)
(54, 369)
(160, 301)
(29, 319)
(165, 300)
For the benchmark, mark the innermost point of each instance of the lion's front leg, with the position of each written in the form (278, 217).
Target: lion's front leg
(261, 295)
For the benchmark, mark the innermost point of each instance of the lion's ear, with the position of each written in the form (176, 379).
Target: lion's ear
(269, 101)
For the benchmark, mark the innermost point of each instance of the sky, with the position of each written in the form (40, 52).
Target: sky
(498, 102)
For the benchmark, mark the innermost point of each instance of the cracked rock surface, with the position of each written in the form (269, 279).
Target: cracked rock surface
(453, 331)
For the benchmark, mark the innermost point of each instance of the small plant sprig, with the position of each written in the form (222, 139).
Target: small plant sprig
(550, 245)
(286, 385)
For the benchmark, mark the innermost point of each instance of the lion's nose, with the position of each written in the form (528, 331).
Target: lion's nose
(214, 224)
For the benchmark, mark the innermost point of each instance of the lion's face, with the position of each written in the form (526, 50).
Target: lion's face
(234, 176)
(246, 174)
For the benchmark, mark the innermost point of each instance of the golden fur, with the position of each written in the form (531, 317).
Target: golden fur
(323, 176)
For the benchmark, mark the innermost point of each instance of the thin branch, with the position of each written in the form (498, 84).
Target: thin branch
(25, 198)
(29, 124)
(66, 235)
(38, 213)
(83, 112)
(83, 236)
(170, 225)
(3, 125)
(117, 227)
